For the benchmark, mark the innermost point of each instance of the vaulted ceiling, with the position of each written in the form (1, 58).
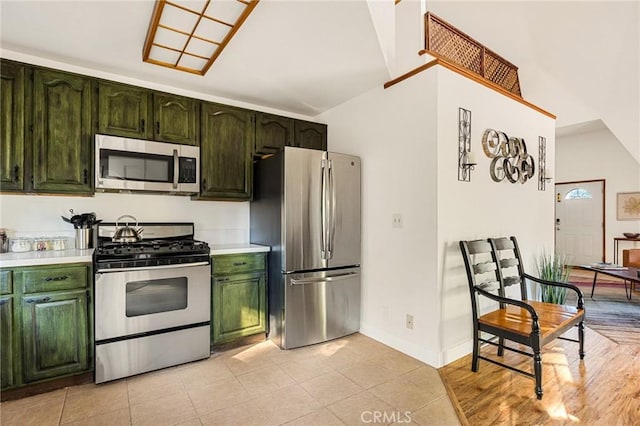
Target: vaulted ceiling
(577, 59)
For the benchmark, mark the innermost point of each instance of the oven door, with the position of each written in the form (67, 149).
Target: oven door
(145, 300)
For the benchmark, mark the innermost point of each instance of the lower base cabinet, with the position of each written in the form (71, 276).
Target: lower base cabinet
(239, 296)
(54, 335)
(45, 323)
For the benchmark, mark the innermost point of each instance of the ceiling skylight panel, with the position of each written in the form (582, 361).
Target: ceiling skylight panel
(189, 35)
(225, 10)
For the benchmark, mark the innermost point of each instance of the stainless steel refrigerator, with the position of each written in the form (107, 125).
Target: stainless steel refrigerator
(306, 206)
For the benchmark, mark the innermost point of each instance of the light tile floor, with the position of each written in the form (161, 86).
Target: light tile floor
(353, 380)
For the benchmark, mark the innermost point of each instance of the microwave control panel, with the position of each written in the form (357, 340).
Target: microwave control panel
(187, 167)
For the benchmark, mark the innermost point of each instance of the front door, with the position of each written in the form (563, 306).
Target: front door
(580, 221)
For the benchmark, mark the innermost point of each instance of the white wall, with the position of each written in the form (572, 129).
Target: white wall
(407, 137)
(483, 208)
(600, 155)
(39, 215)
(393, 131)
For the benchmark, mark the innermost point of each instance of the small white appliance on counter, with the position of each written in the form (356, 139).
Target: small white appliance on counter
(124, 164)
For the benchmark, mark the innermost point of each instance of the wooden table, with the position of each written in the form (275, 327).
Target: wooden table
(628, 274)
(616, 242)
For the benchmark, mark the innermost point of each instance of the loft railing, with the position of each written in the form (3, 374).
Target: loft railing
(446, 41)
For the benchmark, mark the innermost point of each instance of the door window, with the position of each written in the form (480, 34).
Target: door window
(577, 194)
(154, 296)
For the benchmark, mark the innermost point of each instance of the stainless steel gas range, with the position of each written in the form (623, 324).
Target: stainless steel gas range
(152, 298)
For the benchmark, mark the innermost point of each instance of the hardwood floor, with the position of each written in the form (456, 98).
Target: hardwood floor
(602, 389)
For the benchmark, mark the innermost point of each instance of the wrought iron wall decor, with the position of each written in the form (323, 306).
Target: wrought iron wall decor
(465, 157)
(543, 173)
(510, 157)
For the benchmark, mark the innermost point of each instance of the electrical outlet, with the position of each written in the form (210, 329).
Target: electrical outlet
(396, 220)
(410, 322)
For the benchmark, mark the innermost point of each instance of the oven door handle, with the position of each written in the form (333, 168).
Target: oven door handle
(146, 268)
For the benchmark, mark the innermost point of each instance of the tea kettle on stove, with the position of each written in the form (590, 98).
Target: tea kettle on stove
(126, 233)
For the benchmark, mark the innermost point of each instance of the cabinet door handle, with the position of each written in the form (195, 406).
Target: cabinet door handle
(204, 185)
(85, 176)
(4, 301)
(142, 125)
(43, 300)
(60, 278)
(157, 127)
(239, 263)
(16, 173)
(221, 280)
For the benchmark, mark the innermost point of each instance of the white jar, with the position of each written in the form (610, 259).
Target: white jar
(59, 243)
(19, 245)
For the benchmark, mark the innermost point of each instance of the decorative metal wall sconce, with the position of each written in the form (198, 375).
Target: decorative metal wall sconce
(543, 172)
(510, 157)
(466, 161)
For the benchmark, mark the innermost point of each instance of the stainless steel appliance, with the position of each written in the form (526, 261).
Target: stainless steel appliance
(152, 300)
(124, 164)
(306, 206)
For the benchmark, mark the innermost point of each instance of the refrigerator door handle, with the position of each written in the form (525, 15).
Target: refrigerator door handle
(323, 211)
(332, 215)
(332, 278)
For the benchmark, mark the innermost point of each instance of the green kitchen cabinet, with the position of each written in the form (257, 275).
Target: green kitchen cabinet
(273, 133)
(45, 323)
(12, 125)
(176, 119)
(62, 132)
(238, 297)
(7, 335)
(139, 113)
(124, 110)
(54, 334)
(226, 143)
(310, 135)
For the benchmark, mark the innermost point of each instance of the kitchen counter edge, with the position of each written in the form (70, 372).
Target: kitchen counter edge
(220, 249)
(52, 257)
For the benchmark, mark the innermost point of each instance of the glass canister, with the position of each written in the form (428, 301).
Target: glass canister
(42, 244)
(19, 245)
(59, 243)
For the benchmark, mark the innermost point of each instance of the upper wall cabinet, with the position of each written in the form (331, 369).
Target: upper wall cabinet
(273, 133)
(176, 119)
(225, 152)
(12, 116)
(139, 113)
(62, 132)
(124, 111)
(310, 135)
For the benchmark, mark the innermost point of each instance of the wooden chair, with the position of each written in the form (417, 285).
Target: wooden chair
(493, 265)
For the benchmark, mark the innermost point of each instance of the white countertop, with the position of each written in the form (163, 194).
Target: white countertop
(48, 257)
(52, 257)
(217, 249)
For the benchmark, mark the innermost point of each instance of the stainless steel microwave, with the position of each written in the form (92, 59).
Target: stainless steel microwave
(124, 164)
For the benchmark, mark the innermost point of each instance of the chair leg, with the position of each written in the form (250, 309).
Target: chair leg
(476, 351)
(500, 346)
(581, 339)
(537, 369)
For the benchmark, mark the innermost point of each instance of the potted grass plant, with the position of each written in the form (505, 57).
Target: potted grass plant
(553, 267)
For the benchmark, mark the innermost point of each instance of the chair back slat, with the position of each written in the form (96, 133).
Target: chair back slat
(509, 281)
(484, 267)
(508, 263)
(478, 246)
(503, 243)
(489, 285)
